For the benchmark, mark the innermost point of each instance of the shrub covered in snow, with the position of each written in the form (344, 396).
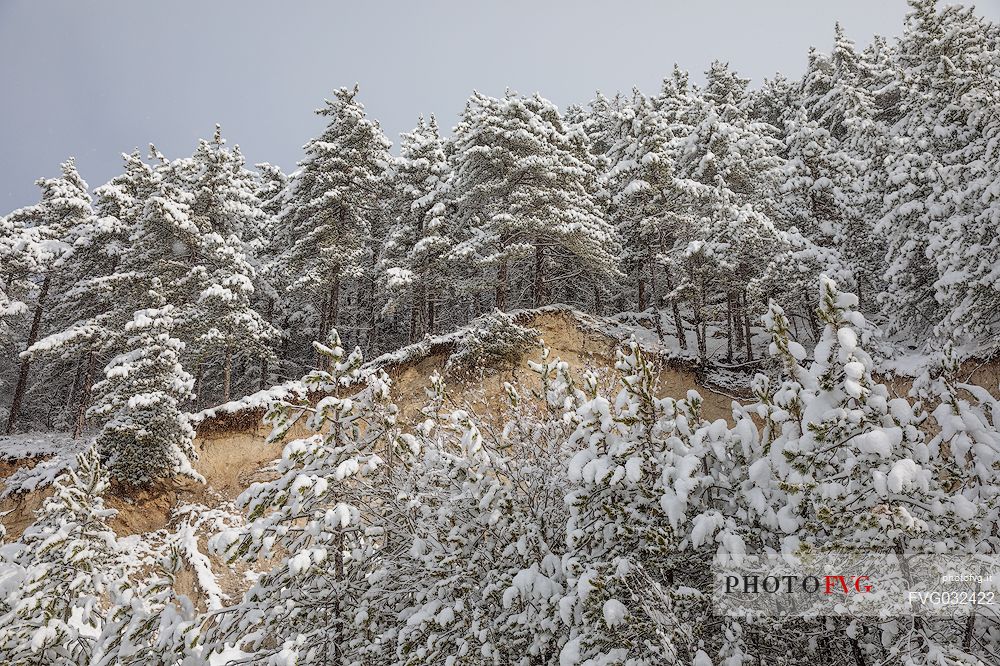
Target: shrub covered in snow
(492, 341)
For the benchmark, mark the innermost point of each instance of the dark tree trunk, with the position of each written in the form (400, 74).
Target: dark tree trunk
(813, 322)
(74, 389)
(652, 277)
(331, 312)
(641, 296)
(338, 559)
(198, 382)
(658, 323)
(730, 332)
(417, 305)
(88, 385)
(598, 306)
(501, 295)
(22, 375)
(746, 324)
(678, 322)
(430, 314)
(699, 325)
(264, 370)
(335, 301)
(284, 352)
(227, 375)
(538, 291)
(324, 322)
(970, 629)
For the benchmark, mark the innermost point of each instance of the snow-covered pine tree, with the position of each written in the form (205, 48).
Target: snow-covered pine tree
(145, 435)
(71, 559)
(651, 207)
(597, 121)
(940, 61)
(13, 288)
(621, 536)
(272, 187)
(853, 444)
(965, 222)
(322, 518)
(816, 175)
(150, 623)
(834, 94)
(416, 249)
(739, 163)
(523, 192)
(221, 322)
(46, 229)
(272, 184)
(86, 317)
(10, 249)
(332, 205)
(773, 100)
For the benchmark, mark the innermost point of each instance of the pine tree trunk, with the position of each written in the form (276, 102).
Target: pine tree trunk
(74, 388)
(88, 384)
(324, 316)
(324, 323)
(598, 306)
(538, 292)
(729, 327)
(678, 322)
(652, 277)
(283, 351)
(641, 304)
(371, 307)
(699, 325)
(227, 375)
(430, 315)
(264, 371)
(658, 323)
(338, 559)
(501, 295)
(335, 301)
(22, 375)
(746, 324)
(417, 305)
(331, 313)
(198, 381)
(813, 323)
(859, 658)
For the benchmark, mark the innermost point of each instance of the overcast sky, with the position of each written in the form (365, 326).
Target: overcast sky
(98, 78)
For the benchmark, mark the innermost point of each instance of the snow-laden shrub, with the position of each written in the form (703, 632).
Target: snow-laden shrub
(492, 341)
(54, 581)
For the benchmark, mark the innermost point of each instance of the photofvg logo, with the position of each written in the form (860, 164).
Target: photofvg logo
(856, 584)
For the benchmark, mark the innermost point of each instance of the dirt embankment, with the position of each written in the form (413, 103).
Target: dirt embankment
(232, 448)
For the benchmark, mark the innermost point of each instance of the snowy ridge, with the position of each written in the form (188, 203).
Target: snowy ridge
(58, 451)
(34, 445)
(620, 328)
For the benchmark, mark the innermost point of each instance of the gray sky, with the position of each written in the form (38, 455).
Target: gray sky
(98, 78)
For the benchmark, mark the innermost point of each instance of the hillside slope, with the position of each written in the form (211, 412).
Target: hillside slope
(232, 444)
